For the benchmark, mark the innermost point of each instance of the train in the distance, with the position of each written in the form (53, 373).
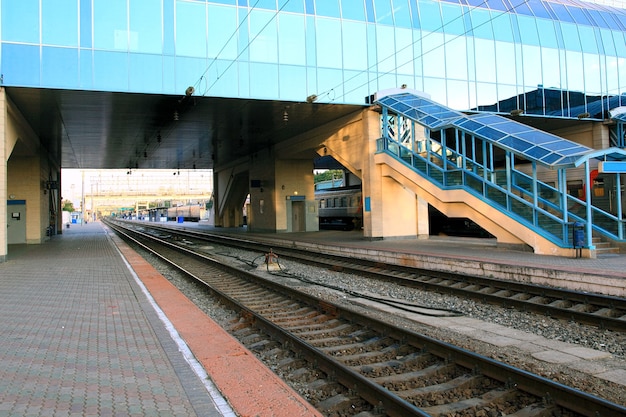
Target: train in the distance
(340, 208)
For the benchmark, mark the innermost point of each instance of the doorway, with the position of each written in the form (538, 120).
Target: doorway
(16, 222)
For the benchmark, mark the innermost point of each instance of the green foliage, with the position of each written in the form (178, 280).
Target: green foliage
(327, 175)
(68, 206)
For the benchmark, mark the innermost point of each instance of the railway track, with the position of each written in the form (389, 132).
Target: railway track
(370, 367)
(602, 311)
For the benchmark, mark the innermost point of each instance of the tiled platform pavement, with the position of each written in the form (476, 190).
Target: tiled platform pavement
(79, 337)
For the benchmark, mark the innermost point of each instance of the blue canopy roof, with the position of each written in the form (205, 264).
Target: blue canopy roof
(533, 144)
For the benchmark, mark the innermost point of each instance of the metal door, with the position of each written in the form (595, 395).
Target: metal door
(16, 221)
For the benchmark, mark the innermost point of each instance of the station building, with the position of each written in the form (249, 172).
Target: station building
(508, 113)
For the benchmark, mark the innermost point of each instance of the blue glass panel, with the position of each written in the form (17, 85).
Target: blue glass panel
(86, 69)
(528, 30)
(20, 21)
(291, 40)
(385, 36)
(539, 9)
(145, 73)
(598, 18)
(230, 2)
(310, 6)
(481, 23)
(415, 16)
(242, 3)
(294, 6)
(487, 119)
(512, 127)
(85, 24)
(430, 16)
(497, 5)
(328, 43)
(262, 4)
(292, 83)
(537, 137)
(222, 44)
(354, 39)
(548, 34)
(169, 77)
(551, 159)
(330, 82)
(263, 80)
(620, 46)
(264, 36)
(353, 11)
(146, 26)
(383, 12)
(20, 65)
(329, 8)
(579, 16)
(110, 71)
(402, 13)
(59, 14)
(490, 133)
(537, 152)
(356, 86)
(516, 28)
(588, 39)
(110, 28)
(561, 12)
(571, 36)
(311, 42)
(369, 8)
(599, 40)
(452, 16)
(621, 20)
(59, 67)
(515, 143)
(470, 125)
(191, 29)
(502, 27)
(613, 21)
(521, 7)
(189, 70)
(169, 47)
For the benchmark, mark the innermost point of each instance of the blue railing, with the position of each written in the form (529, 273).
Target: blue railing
(531, 202)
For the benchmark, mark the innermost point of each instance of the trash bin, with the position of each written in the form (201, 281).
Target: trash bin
(180, 219)
(578, 238)
(578, 234)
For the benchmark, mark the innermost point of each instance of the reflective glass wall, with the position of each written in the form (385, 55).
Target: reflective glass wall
(543, 57)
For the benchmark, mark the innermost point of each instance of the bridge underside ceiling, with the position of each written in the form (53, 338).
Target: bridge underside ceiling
(105, 130)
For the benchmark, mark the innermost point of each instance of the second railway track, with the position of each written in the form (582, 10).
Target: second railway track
(602, 311)
(386, 370)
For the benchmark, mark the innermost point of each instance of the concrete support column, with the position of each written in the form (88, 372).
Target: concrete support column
(282, 195)
(4, 156)
(423, 222)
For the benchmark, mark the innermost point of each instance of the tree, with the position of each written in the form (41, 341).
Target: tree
(68, 206)
(327, 175)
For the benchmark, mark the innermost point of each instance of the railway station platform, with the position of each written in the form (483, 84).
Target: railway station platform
(91, 329)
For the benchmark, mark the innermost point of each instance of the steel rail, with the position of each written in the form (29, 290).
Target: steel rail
(564, 396)
(549, 301)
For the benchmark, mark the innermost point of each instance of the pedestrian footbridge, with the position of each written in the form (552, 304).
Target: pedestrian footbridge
(509, 178)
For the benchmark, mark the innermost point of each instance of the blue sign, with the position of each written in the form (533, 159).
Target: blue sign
(611, 167)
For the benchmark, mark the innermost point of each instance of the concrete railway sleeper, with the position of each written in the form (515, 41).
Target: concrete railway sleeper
(602, 311)
(371, 367)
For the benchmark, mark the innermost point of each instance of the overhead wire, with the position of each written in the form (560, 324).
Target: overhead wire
(461, 16)
(232, 35)
(232, 62)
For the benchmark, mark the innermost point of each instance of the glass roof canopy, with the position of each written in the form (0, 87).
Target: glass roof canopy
(533, 144)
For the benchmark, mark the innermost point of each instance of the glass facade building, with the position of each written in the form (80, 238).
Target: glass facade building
(553, 58)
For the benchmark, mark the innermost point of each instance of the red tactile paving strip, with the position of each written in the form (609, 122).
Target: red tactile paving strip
(249, 387)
